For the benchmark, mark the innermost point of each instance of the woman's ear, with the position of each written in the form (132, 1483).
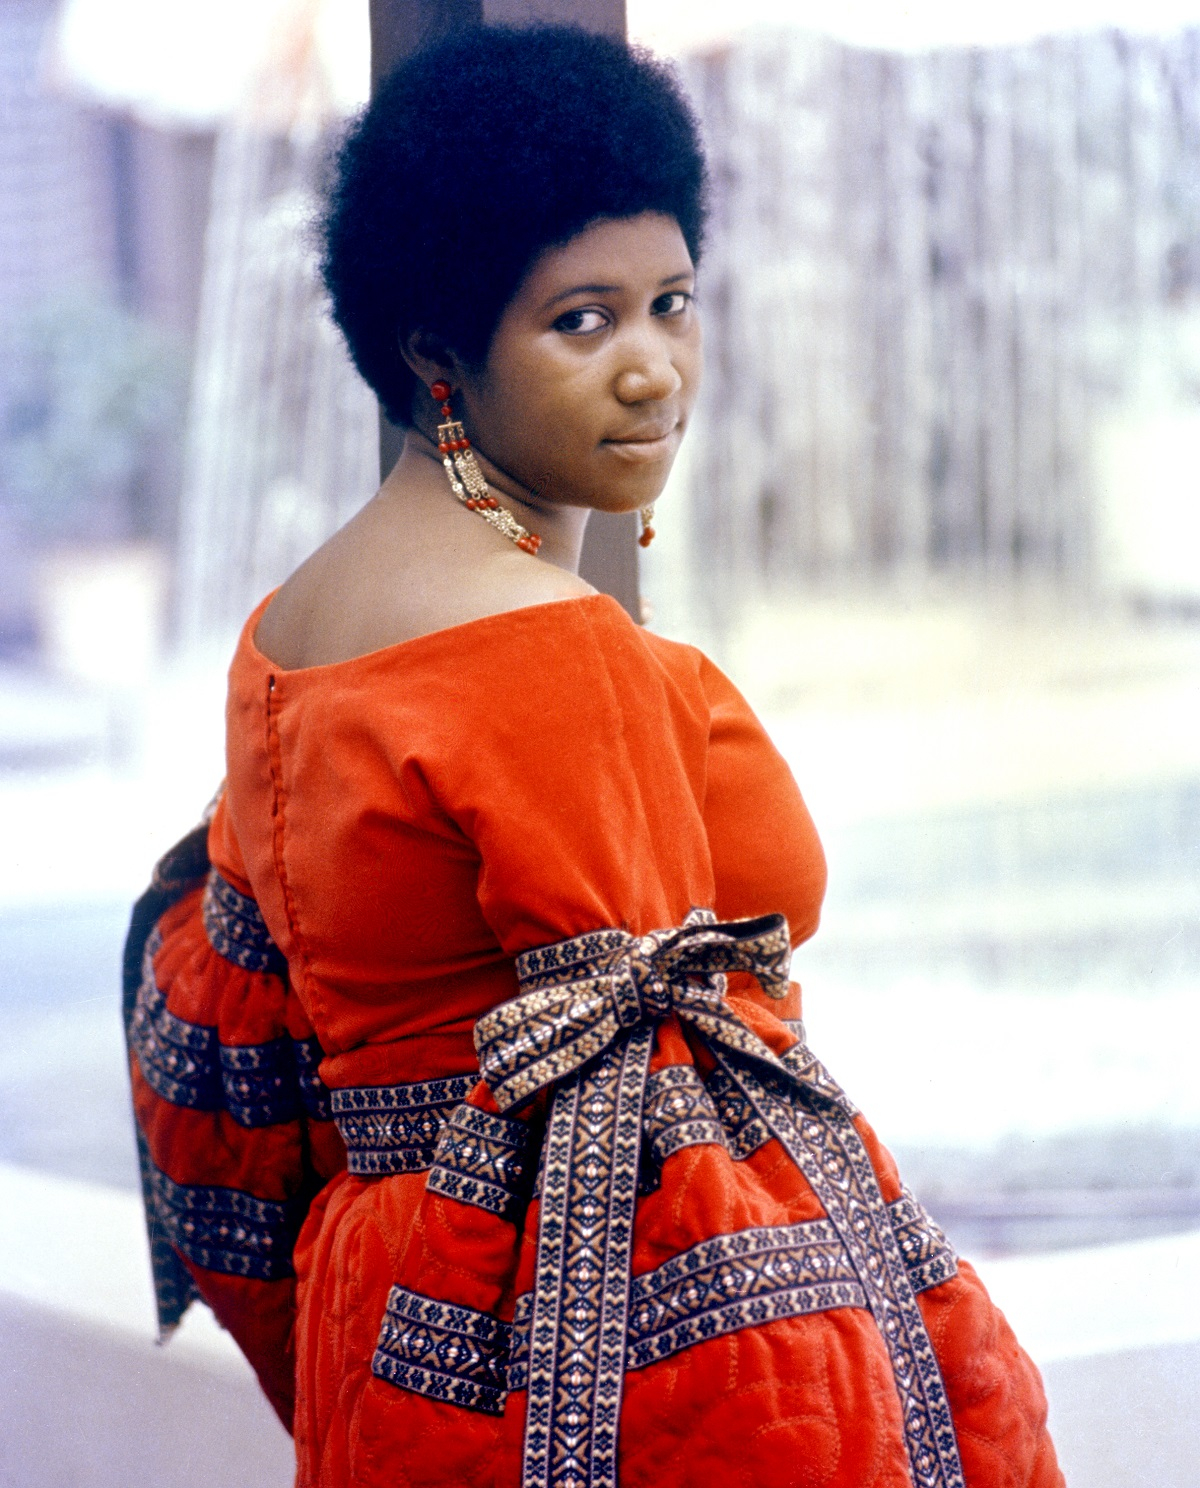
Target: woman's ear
(428, 357)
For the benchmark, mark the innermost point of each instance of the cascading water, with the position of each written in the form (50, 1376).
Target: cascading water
(930, 279)
(282, 443)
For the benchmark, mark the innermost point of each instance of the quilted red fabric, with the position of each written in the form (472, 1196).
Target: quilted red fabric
(408, 823)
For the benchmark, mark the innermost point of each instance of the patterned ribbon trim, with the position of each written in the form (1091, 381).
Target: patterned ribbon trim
(683, 1110)
(224, 1229)
(314, 1093)
(186, 1064)
(579, 995)
(825, 1145)
(730, 1282)
(177, 1058)
(486, 1161)
(395, 1128)
(236, 929)
(927, 1253)
(723, 1284)
(449, 1353)
(584, 1024)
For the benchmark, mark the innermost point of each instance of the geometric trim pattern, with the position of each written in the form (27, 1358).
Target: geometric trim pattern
(758, 1275)
(746, 1130)
(735, 1281)
(259, 1081)
(485, 1160)
(178, 1059)
(800, 1062)
(928, 1255)
(224, 1229)
(395, 1128)
(721, 1285)
(179, 871)
(580, 995)
(578, 1328)
(184, 1063)
(259, 1085)
(583, 1027)
(679, 1112)
(314, 1093)
(751, 1277)
(684, 1110)
(443, 1351)
(236, 929)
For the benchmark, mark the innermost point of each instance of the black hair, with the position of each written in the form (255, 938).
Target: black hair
(476, 154)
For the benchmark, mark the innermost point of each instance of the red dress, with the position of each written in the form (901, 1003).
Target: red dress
(654, 1244)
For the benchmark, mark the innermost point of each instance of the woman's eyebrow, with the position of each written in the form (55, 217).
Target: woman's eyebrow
(565, 294)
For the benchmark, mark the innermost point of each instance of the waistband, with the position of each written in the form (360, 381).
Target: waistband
(395, 1128)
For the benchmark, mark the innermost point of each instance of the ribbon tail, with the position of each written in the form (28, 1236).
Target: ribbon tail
(818, 1133)
(796, 1074)
(581, 1283)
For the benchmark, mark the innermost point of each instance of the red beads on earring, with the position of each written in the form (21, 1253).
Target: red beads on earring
(467, 481)
(441, 394)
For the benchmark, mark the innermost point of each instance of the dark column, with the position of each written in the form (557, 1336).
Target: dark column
(398, 27)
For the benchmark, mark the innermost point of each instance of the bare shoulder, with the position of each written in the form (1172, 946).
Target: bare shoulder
(365, 590)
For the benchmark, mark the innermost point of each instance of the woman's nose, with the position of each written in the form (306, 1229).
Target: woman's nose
(648, 372)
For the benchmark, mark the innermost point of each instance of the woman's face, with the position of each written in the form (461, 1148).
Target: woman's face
(594, 368)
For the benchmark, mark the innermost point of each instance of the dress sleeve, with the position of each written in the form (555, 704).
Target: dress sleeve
(763, 842)
(623, 783)
(233, 1123)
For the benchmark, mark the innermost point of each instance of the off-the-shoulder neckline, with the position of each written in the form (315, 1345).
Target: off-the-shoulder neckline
(447, 632)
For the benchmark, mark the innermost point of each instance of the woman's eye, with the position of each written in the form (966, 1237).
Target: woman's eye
(581, 322)
(672, 304)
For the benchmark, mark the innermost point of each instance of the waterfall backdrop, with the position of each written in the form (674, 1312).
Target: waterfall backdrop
(931, 279)
(282, 442)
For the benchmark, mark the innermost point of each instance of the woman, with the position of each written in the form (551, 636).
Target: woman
(568, 1200)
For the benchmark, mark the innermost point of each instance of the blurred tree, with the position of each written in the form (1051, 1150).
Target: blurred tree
(92, 387)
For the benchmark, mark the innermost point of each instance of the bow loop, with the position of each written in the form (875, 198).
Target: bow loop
(759, 946)
(579, 997)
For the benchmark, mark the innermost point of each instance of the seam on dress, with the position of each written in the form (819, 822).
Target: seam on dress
(278, 828)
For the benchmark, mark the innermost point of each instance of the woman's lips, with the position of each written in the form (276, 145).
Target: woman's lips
(648, 445)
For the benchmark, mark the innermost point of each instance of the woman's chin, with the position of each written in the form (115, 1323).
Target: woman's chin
(627, 488)
(617, 504)
(631, 485)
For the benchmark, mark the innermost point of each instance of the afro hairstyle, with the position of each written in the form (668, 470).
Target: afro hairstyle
(476, 154)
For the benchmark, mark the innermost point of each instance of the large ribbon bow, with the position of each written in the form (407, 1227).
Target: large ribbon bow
(580, 996)
(584, 1023)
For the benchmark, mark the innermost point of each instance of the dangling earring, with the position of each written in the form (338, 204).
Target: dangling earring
(468, 482)
(647, 516)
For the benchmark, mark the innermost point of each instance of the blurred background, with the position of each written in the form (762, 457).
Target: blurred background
(939, 518)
